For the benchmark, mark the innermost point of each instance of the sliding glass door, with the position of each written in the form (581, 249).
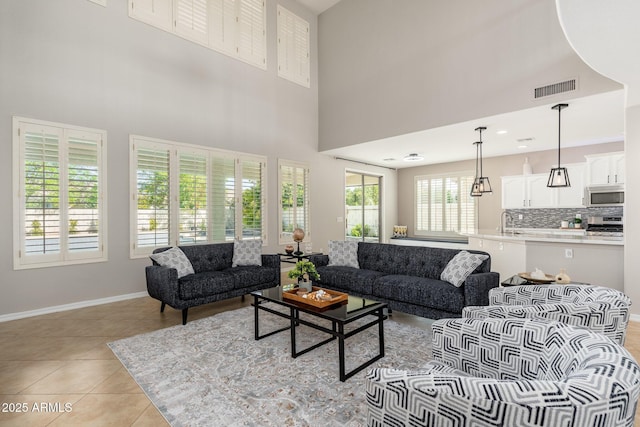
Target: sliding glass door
(362, 207)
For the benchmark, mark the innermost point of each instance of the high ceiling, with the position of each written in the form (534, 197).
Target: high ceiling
(318, 6)
(591, 120)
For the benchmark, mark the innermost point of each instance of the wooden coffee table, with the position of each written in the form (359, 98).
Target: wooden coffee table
(339, 315)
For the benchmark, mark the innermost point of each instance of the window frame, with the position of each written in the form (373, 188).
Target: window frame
(285, 237)
(463, 192)
(294, 52)
(65, 255)
(175, 149)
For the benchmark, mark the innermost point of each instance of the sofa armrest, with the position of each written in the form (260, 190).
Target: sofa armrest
(477, 287)
(271, 260)
(162, 283)
(320, 260)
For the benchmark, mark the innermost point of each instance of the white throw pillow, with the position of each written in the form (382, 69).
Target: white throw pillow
(343, 253)
(461, 266)
(247, 252)
(174, 258)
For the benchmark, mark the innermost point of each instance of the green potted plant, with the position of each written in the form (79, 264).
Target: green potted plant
(304, 267)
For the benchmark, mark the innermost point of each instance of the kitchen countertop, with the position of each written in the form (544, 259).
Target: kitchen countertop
(547, 236)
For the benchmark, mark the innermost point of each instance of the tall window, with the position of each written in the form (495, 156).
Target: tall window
(294, 48)
(59, 188)
(185, 194)
(443, 204)
(293, 179)
(234, 27)
(362, 207)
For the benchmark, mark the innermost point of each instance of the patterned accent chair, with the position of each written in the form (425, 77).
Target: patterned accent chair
(510, 372)
(598, 308)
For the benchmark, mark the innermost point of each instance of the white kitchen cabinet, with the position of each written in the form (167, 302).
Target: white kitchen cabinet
(527, 191)
(572, 197)
(605, 168)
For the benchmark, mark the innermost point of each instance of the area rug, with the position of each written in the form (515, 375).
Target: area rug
(211, 372)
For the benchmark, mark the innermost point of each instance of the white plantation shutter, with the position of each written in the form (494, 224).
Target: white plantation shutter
(222, 25)
(443, 205)
(191, 19)
(155, 12)
(293, 48)
(223, 196)
(84, 201)
(193, 223)
(153, 197)
(251, 42)
(251, 199)
(294, 199)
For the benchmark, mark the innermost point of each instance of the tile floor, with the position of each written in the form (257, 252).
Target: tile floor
(58, 369)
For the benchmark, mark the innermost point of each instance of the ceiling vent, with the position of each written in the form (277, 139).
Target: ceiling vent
(555, 88)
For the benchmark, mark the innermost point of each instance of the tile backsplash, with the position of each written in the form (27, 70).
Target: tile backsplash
(551, 218)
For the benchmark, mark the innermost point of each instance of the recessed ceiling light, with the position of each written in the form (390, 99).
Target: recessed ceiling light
(388, 159)
(522, 146)
(501, 132)
(413, 157)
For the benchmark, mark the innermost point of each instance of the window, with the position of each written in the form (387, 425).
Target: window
(362, 207)
(59, 188)
(443, 204)
(185, 194)
(294, 50)
(234, 27)
(293, 183)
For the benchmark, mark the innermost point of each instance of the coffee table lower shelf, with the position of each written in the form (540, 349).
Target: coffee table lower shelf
(336, 332)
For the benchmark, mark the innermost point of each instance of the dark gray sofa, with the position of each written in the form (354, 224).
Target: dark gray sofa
(214, 279)
(407, 278)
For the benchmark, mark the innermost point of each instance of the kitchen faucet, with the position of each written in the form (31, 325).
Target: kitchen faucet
(504, 215)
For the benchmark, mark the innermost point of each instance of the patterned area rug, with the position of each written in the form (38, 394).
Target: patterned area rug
(212, 371)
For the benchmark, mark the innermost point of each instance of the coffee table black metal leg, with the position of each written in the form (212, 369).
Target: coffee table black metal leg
(381, 331)
(343, 376)
(294, 322)
(255, 318)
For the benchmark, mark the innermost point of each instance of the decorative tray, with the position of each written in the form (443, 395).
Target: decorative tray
(548, 278)
(335, 297)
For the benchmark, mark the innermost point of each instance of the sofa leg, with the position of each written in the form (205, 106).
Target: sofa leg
(162, 306)
(184, 316)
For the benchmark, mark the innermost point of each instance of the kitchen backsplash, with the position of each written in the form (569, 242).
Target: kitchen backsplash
(551, 218)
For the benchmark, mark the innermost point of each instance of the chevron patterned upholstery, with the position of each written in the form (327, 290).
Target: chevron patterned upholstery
(511, 373)
(598, 308)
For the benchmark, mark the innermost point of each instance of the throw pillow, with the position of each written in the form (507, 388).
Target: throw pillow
(343, 253)
(247, 252)
(461, 266)
(174, 258)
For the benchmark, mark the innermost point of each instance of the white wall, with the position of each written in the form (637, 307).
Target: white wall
(75, 62)
(393, 67)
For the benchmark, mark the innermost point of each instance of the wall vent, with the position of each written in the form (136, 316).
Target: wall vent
(555, 88)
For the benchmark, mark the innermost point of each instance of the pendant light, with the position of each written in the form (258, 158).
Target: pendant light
(559, 177)
(481, 183)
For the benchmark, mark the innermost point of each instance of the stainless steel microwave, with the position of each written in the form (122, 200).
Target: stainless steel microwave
(604, 195)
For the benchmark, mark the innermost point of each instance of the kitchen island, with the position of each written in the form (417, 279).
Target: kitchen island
(589, 259)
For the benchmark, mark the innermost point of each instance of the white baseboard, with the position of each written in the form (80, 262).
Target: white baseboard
(72, 306)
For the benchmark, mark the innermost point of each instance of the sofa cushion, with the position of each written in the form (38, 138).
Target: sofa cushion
(378, 257)
(247, 252)
(174, 258)
(343, 253)
(252, 275)
(420, 291)
(348, 279)
(209, 257)
(204, 284)
(461, 266)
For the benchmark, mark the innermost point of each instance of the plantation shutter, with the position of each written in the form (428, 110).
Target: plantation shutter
(294, 199)
(451, 198)
(293, 47)
(191, 19)
(302, 199)
(251, 43)
(222, 25)
(252, 202)
(193, 221)
(41, 189)
(84, 201)
(223, 199)
(422, 205)
(467, 206)
(154, 12)
(436, 204)
(153, 194)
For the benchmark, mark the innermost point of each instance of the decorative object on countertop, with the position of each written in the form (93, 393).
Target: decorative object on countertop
(563, 277)
(481, 183)
(537, 276)
(559, 177)
(577, 222)
(526, 167)
(298, 236)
